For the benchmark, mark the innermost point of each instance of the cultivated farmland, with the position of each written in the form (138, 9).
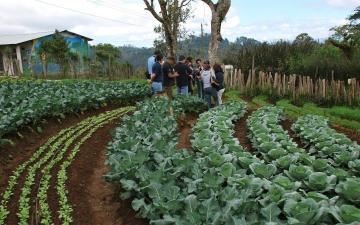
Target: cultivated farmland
(62, 139)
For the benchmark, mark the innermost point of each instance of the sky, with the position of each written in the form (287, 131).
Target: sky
(125, 22)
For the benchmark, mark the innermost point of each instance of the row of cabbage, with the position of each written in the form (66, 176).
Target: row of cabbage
(175, 187)
(26, 101)
(144, 159)
(220, 183)
(305, 188)
(326, 143)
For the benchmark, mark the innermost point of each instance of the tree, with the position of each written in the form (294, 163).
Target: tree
(347, 37)
(74, 60)
(107, 54)
(172, 14)
(218, 11)
(55, 49)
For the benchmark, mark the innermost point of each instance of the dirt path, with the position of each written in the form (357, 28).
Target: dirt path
(353, 135)
(286, 125)
(96, 202)
(185, 126)
(241, 131)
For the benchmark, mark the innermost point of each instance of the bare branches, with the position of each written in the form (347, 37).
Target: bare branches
(151, 8)
(171, 16)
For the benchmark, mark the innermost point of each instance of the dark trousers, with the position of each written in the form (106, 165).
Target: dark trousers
(200, 88)
(211, 92)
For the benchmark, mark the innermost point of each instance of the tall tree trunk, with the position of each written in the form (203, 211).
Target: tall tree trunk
(218, 11)
(43, 64)
(171, 15)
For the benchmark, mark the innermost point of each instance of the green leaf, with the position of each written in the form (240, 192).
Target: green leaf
(271, 212)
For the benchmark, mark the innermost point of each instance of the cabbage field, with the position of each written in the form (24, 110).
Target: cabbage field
(244, 167)
(221, 182)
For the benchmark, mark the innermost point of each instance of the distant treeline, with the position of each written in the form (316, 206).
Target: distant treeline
(304, 56)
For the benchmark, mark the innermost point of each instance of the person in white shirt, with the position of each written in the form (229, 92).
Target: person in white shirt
(208, 82)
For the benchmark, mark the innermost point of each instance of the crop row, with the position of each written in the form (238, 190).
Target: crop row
(27, 102)
(221, 183)
(324, 142)
(46, 157)
(144, 159)
(298, 181)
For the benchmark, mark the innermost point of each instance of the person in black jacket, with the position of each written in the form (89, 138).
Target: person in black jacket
(169, 76)
(219, 76)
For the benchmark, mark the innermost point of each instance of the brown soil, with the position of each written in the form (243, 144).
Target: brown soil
(96, 202)
(25, 146)
(185, 126)
(286, 124)
(241, 131)
(352, 134)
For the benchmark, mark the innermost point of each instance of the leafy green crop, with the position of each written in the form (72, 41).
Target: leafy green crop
(27, 102)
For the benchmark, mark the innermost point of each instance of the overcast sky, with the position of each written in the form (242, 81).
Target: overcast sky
(125, 22)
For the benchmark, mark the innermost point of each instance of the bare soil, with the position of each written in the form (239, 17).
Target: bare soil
(353, 135)
(94, 200)
(185, 125)
(241, 131)
(286, 124)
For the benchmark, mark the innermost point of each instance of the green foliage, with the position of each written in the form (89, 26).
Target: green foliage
(27, 102)
(350, 189)
(107, 51)
(221, 183)
(56, 50)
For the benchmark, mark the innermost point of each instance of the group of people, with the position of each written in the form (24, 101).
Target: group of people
(207, 78)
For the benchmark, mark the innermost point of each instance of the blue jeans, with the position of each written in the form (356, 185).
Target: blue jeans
(211, 92)
(184, 90)
(156, 87)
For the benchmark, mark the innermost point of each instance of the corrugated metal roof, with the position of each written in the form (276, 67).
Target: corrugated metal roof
(13, 39)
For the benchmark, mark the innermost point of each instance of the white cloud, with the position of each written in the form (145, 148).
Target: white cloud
(29, 16)
(343, 3)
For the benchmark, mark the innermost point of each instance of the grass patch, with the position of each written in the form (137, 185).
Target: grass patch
(232, 95)
(261, 100)
(342, 116)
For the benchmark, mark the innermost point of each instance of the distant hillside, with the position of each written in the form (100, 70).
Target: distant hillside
(194, 46)
(136, 56)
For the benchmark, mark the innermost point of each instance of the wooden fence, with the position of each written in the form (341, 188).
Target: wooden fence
(294, 86)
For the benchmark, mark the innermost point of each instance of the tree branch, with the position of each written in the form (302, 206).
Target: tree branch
(150, 7)
(210, 4)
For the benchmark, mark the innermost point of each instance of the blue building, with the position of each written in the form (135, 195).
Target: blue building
(19, 53)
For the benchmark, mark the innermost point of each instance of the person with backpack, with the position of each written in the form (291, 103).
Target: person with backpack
(219, 81)
(182, 80)
(208, 82)
(157, 78)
